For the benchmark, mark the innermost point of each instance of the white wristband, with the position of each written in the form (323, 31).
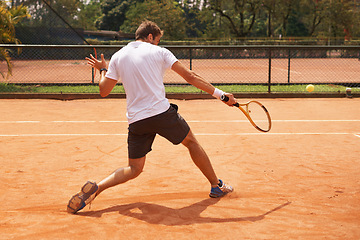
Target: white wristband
(218, 93)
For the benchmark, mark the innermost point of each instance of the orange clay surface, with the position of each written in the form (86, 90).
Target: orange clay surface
(299, 181)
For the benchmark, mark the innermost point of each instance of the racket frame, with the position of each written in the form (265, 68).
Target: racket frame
(245, 109)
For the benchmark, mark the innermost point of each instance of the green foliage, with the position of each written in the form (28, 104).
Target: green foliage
(285, 17)
(9, 18)
(341, 17)
(238, 16)
(295, 27)
(89, 14)
(113, 13)
(210, 19)
(41, 15)
(194, 24)
(169, 16)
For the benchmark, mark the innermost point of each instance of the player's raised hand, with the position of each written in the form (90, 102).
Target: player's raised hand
(98, 64)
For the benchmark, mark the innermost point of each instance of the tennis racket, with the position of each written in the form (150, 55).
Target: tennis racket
(255, 112)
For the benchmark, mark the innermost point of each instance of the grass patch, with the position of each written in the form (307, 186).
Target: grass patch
(298, 88)
(14, 88)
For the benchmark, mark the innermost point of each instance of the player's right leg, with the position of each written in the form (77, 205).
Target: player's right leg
(174, 128)
(202, 161)
(90, 190)
(200, 158)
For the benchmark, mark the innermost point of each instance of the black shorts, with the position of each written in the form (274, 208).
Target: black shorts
(168, 124)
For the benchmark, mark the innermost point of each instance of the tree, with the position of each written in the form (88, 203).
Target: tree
(240, 15)
(9, 17)
(269, 6)
(295, 27)
(88, 14)
(284, 11)
(195, 24)
(55, 21)
(166, 13)
(42, 15)
(313, 14)
(287, 16)
(341, 17)
(113, 13)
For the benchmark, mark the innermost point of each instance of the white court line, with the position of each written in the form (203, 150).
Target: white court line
(65, 121)
(113, 121)
(20, 122)
(74, 121)
(319, 120)
(190, 121)
(62, 134)
(198, 134)
(236, 121)
(264, 134)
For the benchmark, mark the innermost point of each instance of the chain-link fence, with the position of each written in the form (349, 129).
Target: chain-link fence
(250, 68)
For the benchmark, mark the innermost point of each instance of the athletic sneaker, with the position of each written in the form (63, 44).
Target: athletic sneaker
(221, 190)
(82, 198)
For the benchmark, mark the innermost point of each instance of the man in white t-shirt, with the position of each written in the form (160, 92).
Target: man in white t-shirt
(140, 66)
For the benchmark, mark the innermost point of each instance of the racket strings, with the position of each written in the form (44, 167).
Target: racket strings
(259, 115)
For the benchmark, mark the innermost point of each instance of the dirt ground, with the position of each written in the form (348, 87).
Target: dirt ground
(299, 181)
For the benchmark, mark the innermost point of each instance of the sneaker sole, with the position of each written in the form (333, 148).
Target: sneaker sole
(76, 203)
(217, 196)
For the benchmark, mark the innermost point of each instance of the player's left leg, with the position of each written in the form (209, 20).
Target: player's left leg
(91, 190)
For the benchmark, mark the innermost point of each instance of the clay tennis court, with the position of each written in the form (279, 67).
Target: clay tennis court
(299, 181)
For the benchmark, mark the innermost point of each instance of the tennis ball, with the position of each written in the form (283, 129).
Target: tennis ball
(310, 88)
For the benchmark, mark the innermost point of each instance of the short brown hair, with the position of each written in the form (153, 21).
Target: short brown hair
(146, 28)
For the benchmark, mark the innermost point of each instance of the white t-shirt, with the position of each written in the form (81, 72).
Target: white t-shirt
(141, 67)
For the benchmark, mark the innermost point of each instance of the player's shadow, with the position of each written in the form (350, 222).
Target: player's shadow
(157, 214)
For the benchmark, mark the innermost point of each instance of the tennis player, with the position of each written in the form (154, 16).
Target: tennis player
(140, 66)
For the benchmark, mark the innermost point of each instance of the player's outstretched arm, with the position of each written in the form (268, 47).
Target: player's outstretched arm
(199, 82)
(106, 85)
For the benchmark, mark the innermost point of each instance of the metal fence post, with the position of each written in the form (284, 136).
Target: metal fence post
(190, 57)
(289, 56)
(269, 79)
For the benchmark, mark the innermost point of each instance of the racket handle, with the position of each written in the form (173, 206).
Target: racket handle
(225, 98)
